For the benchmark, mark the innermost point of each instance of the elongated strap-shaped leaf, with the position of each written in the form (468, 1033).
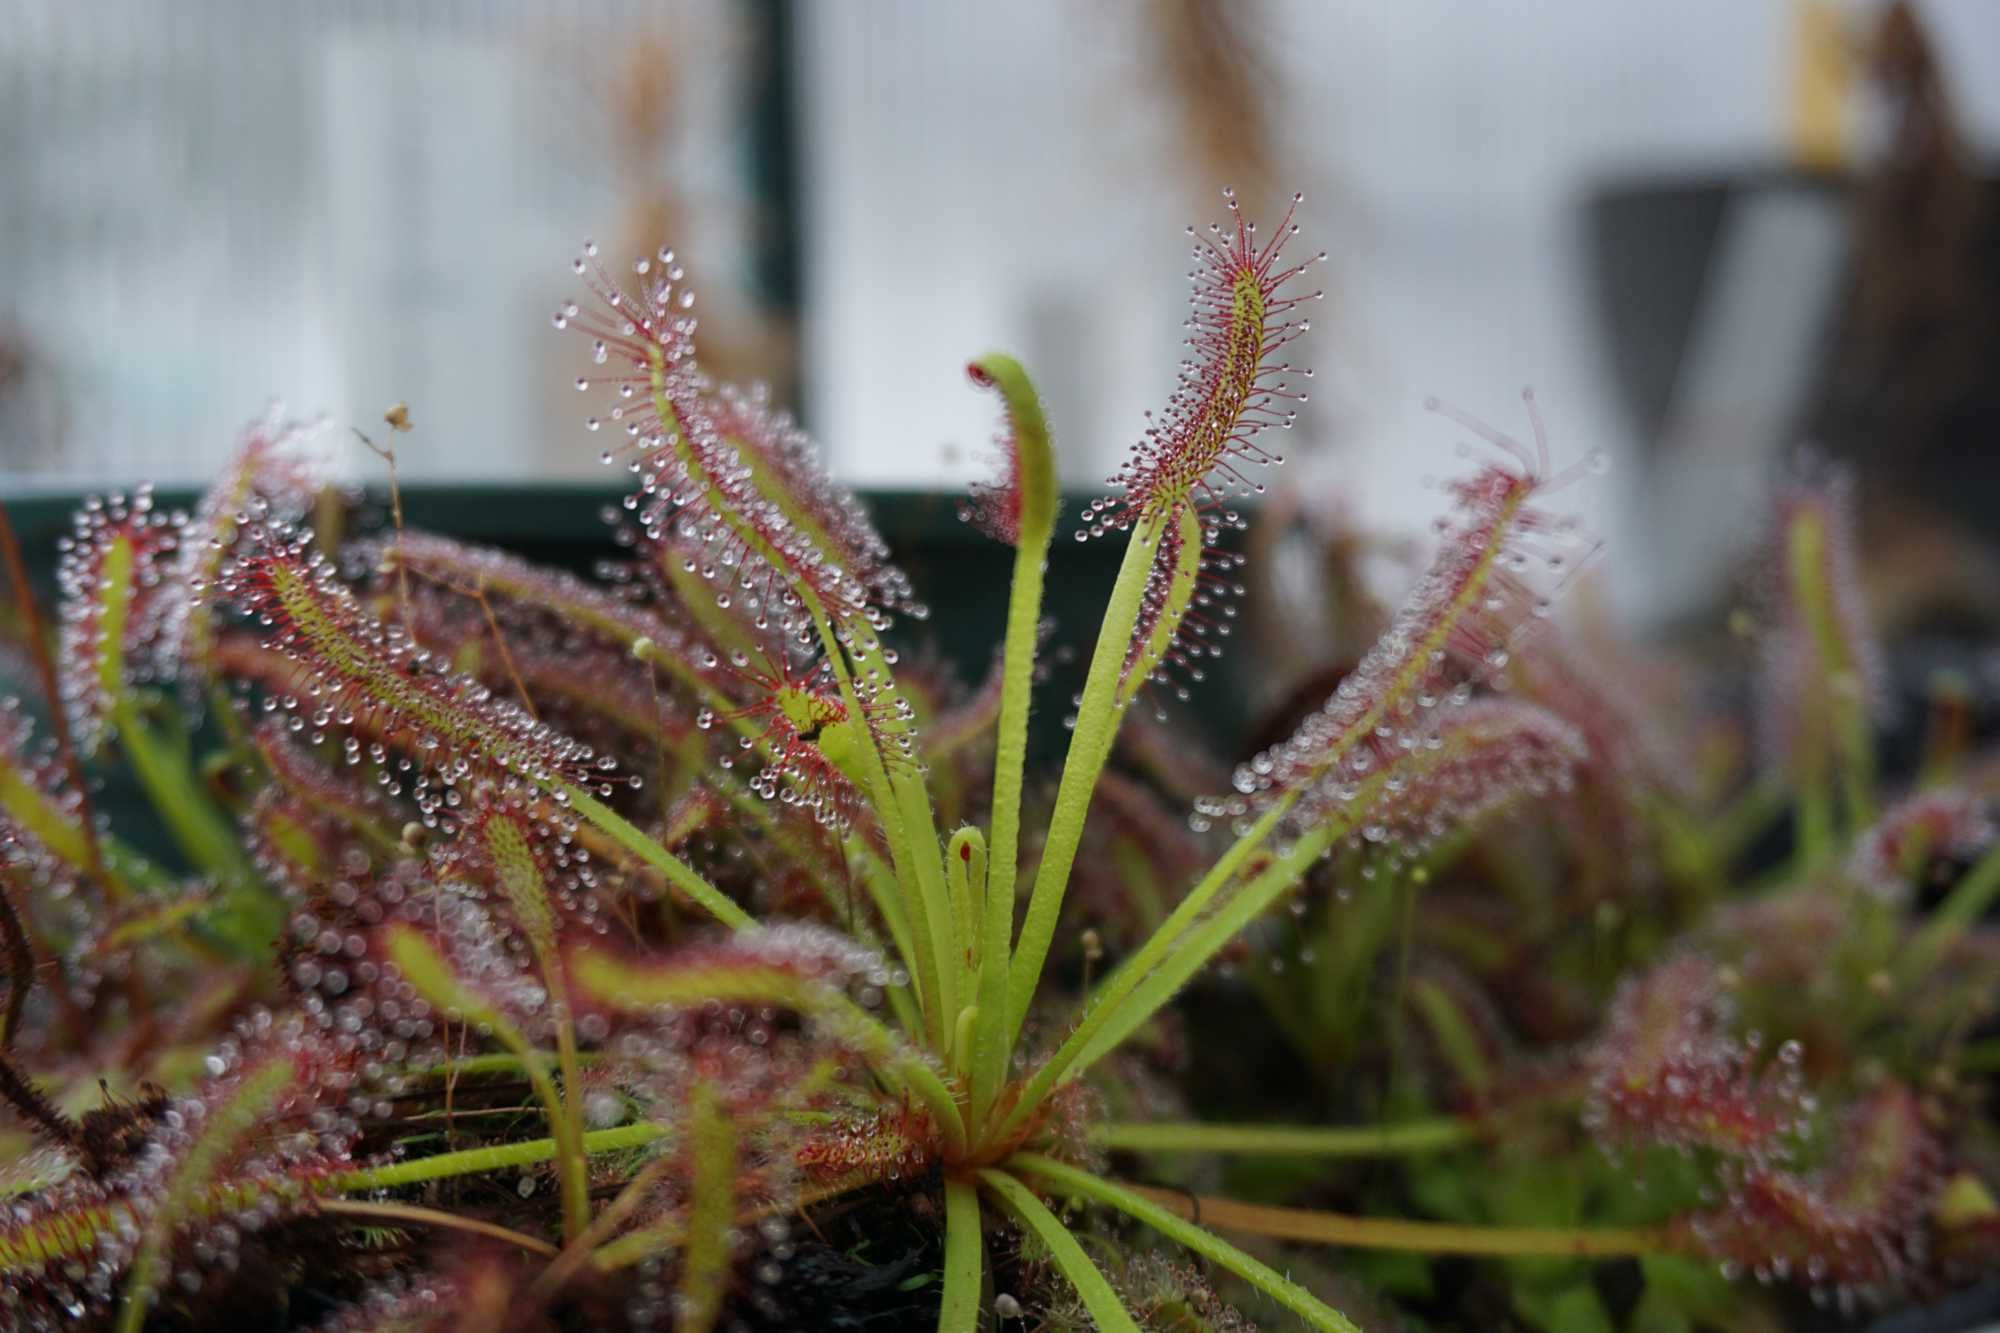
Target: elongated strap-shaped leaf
(1853, 1215)
(519, 869)
(1458, 627)
(711, 1213)
(1170, 592)
(1960, 911)
(36, 813)
(1410, 1136)
(442, 988)
(1089, 746)
(432, 975)
(1481, 756)
(75, 1232)
(1081, 1184)
(256, 1093)
(1316, 1227)
(965, 872)
(111, 577)
(508, 579)
(624, 985)
(362, 664)
(1021, 511)
(1230, 391)
(519, 873)
(1453, 1031)
(107, 597)
(1822, 671)
(62, 1235)
(1099, 1297)
(678, 873)
(271, 467)
(1233, 387)
(964, 1257)
(746, 480)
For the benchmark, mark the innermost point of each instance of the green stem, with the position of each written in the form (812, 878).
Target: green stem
(1034, 471)
(1195, 948)
(435, 1217)
(575, 1180)
(937, 920)
(1410, 1138)
(484, 1161)
(203, 835)
(1958, 913)
(904, 808)
(1266, 1279)
(1431, 1238)
(77, 1231)
(570, 1174)
(880, 882)
(964, 1257)
(614, 982)
(443, 989)
(1836, 703)
(1743, 819)
(1179, 948)
(1097, 720)
(678, 873)
(965, 872)
(1856, 742)
(1813, 816)
(923, 869)
(711, 1212)
(1100, 1299)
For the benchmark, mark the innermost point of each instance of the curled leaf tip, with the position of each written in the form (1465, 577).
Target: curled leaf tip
(1018, 508)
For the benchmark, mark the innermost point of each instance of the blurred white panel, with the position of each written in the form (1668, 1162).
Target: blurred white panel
(1000, 175)
(974, 176)
(1004, 175)
(415, 156)
(215, 203)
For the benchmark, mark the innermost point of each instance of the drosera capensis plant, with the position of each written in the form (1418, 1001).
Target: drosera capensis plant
(550, 952)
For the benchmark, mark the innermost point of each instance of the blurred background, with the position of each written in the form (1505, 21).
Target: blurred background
(1704, 230)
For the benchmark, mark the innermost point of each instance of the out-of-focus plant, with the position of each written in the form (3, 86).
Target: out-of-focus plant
(549, 952)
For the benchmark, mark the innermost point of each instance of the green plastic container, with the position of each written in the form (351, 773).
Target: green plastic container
(958, 572)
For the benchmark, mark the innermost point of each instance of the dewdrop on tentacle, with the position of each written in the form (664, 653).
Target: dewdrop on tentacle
(272, 478)
(1231, 388)
(1856, 1228)
(715, 1011)
(721, 470)
(1472, 761)
(1946, 822)
(356, 667)
(112, 578)
(564, 643)
(1666, 1068)
(1500, 559)
(1199, 452)
(41, 812)
(806, 741)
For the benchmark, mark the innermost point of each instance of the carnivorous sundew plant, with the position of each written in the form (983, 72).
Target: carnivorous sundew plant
(678, 948)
